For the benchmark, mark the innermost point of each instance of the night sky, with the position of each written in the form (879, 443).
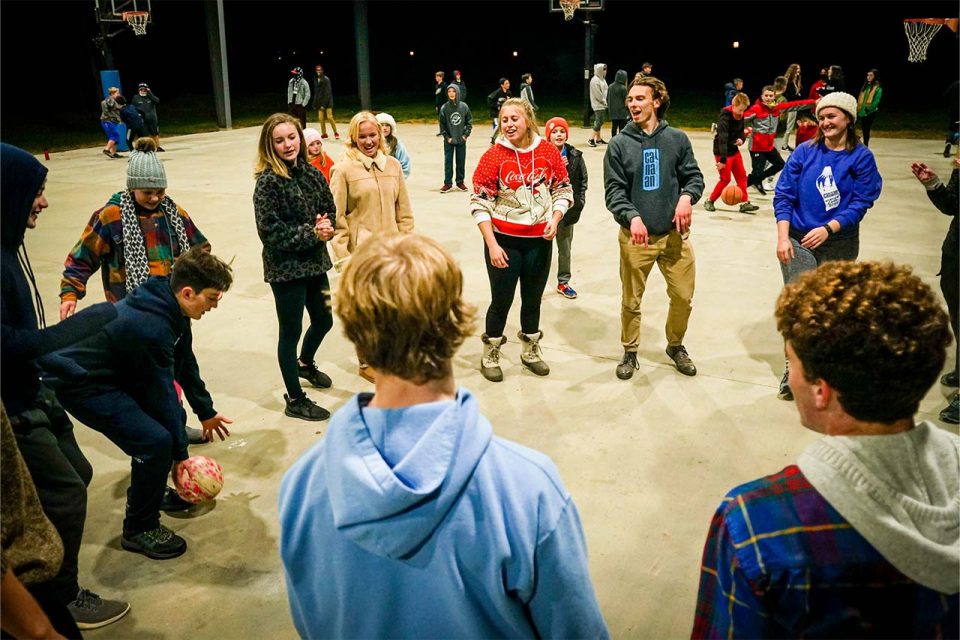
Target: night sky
(688, 42)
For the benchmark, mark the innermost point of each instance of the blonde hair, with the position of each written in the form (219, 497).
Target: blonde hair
(353, 131)
(401, 303)
(741, 99)
(527, 110)
(267, 158)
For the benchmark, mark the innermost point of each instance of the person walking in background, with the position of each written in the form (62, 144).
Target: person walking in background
(370, 195)
(651, 182)
(295, 216)
(726, 152)
(495, 100)
(395, 148)
(764, 117)
(439, 93)
(520, 193)
(298, 96)
(315, 153)
(557, 131)
(461, 85)
(392, 512)
(730, 90)
(861, 536)
(133, 119)
(526, 91)
(792, 93)
(945, 198)
(868, 102)
(598, 102)
(617, 103)
(646, 70)
(147, 103)
(456, 122)
(43, 430)
(822, 196)
(109, 119)
(323, 102)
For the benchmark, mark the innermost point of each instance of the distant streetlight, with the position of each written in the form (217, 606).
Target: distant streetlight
(736, 44)
(411, 53)
(515, 54)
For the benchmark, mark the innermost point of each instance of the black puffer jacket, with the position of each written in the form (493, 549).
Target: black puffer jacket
(577, 171)
(286, 211)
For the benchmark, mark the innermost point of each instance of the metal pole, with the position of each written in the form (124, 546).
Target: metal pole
(587, 69)
(362, 37)
(224, 71)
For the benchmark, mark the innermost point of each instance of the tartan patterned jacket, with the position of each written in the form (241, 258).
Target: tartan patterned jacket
(101, 247)
(781, 562)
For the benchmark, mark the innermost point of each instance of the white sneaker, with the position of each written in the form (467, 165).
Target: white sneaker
(769, 185)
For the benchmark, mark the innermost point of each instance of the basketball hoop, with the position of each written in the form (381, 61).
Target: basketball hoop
(137, 21)
(568, 7)
(920, 32)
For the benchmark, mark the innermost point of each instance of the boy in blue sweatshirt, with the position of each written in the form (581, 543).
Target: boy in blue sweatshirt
(410, 518)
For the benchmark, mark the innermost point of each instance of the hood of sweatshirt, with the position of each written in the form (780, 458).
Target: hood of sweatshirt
(600, 70)
(901, 492)
(509, 145)
(21, 176)
(391, 508)
(621, 76)
(456, 88)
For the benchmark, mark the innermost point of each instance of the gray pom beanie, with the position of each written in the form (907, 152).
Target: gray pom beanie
(145, 171)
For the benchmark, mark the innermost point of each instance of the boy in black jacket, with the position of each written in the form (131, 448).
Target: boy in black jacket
(557, 132)
(726, 152)
(120, 382)
(495, 100)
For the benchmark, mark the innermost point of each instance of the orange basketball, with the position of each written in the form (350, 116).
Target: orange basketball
(731, 194)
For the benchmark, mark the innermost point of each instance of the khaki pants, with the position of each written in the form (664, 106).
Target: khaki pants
(324, 115)
(673, 254)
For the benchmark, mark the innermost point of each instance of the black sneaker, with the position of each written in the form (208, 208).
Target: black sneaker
(784, 392)
(950, 379)
(314, 376)
(682, 359)
(90, 611)
(305, 409)
(159, 544)
(592, 143)
(951, 414)
(628, 364)
(759, 187)
(173, 502)
(601, 141)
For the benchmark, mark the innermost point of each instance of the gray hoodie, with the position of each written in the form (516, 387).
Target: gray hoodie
(901, 492)
(456, 121)
(598, 87)
(645, 175)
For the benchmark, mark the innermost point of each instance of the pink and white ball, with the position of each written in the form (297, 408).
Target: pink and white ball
(199, 478)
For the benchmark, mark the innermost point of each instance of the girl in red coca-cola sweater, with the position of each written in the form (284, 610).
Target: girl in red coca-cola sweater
(520, 193)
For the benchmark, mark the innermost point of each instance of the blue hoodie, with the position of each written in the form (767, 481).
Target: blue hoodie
(418, 523)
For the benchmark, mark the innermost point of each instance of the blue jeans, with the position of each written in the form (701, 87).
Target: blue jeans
(448, 153)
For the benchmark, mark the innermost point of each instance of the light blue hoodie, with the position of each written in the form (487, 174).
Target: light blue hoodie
(418, 523)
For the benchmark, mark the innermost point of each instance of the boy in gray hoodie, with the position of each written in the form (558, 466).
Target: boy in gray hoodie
(456, 124)
(598, 102)
(651, 181)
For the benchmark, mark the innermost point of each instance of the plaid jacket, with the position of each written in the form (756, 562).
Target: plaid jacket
(101, 247)
(781, 562)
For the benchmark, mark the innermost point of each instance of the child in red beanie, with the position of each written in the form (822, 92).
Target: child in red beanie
(557, 131)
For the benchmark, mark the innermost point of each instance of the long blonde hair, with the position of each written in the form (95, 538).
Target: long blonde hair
(351, 150)
(528, 115)
(792, 75)
(267, 158)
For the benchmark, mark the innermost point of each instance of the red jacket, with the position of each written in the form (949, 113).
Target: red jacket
(765, 119)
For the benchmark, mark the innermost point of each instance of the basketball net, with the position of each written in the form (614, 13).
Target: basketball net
(920, 32)
(568, 7)
(137, 21)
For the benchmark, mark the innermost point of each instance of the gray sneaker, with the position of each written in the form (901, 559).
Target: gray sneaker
(90, 611)
(682, 359)
(628, 364)
(708, 205)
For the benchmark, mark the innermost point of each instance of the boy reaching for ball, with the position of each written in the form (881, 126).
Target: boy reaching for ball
(726, 152)
(120, 383)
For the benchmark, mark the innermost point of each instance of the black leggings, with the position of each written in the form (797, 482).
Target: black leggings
(866, 122)
(290, 299)
(528, 261)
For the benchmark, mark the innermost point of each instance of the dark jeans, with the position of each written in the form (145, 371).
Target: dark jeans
(61, 474)
(617, 125)
(950, 286)
(866, 122)
(290, 299)
(148, 443)
(528, 261)
(759, 160)
(299, 112)
(449, 150)
(835, 248)
(53, 605)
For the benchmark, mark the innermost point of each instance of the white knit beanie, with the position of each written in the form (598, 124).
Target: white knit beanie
(839, 100)
(144, 169)
(386, 118)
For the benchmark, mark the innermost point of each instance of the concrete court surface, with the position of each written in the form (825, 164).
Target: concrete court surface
(647, 460)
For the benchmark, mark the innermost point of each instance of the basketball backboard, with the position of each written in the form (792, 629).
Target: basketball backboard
(585, 5)
(113, 10)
